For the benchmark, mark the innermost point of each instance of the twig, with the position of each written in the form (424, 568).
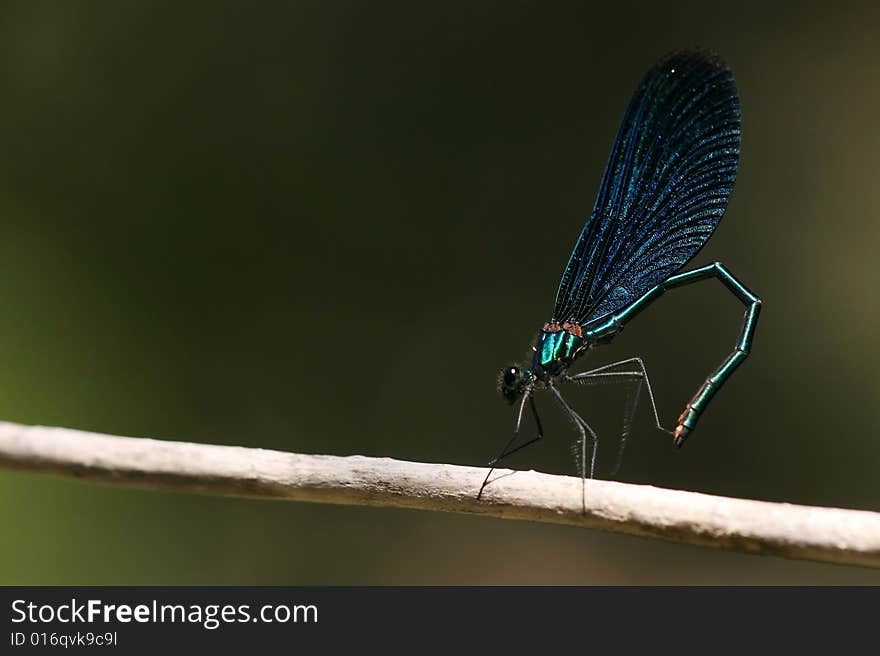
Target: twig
(803, 532)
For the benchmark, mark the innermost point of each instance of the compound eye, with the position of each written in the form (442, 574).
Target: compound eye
(511, 374)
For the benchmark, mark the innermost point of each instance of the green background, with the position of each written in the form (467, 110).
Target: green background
(324, 226)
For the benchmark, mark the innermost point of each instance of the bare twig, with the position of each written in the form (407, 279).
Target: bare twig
(802, 532)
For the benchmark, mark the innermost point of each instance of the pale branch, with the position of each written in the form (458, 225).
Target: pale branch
(760, 527)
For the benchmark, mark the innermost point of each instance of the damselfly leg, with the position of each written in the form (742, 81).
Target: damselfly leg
(584, 428)
(538, 436)
(507, 450)
(634, 378)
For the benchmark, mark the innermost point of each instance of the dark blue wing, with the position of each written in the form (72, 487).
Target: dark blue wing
(665, 188)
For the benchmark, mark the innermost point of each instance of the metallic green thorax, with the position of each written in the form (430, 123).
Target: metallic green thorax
(554, 352)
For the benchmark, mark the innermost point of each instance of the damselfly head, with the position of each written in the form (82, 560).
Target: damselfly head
(512, 382)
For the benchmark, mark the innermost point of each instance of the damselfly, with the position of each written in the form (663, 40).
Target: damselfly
(664, 191)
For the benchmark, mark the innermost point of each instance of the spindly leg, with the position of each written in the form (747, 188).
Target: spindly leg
(636, 378)
(506, 451)
(583, 427)
(697, 405)
(601, 374)
(538, 436)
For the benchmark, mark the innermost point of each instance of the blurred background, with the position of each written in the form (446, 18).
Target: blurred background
(324, 228)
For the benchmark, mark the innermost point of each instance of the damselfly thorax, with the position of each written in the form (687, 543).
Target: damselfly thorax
(557, 347)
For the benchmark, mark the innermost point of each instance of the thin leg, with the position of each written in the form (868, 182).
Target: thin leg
(600, 374)
(635, 380)
(583, 428)
(627, 426)
(537, 437)
(687, 421)
(506, 451)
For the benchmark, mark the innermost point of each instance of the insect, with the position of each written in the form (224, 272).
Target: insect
(666, 185)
